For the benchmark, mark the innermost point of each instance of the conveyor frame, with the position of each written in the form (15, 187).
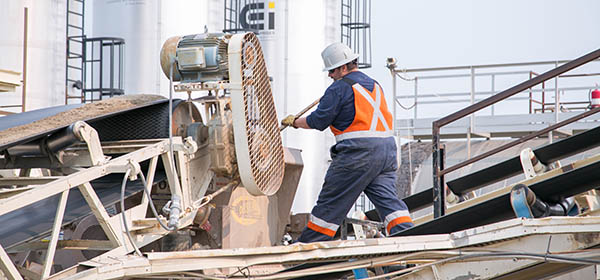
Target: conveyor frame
(495, 206)
(512, 247)
(144, 230)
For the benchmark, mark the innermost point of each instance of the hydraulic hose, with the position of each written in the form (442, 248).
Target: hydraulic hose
(137, 250)
(123, 186)
(143, 178)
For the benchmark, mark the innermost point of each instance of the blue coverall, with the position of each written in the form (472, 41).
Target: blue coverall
(358, 165)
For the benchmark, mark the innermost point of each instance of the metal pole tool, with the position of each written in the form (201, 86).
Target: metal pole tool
(282, 127)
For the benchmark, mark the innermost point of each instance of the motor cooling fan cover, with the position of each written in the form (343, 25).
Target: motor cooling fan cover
(258, 145)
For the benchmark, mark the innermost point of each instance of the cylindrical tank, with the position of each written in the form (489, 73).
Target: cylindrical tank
(45, 52)
(303, 82)
(145, 25)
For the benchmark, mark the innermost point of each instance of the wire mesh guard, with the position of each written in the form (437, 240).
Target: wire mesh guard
(258, 144)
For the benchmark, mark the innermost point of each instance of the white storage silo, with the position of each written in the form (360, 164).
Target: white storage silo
(312, 25)
(45, 51)
(145, 25)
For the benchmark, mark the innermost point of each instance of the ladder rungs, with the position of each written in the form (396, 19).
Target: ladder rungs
(73, 26)
(75, 13)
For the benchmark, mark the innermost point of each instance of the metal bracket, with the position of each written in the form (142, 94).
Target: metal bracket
(190, 146)
(135, 168)
(89, 135)
(132, 165)
(531, 165)
(201, 86)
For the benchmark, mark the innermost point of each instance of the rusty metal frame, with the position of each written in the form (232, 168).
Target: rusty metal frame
(439, 171)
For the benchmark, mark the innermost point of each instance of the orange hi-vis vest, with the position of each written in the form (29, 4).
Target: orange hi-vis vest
(371, 119)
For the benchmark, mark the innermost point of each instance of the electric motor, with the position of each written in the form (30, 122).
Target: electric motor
(196, 58)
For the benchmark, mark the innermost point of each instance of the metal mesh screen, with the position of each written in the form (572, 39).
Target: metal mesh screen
(264, 139)
(146, 123)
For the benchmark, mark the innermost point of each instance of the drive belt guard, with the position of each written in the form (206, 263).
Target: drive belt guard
(258, 145)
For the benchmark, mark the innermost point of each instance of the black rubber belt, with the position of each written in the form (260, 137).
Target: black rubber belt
(36, 220)
(572, 182)
(145, 122)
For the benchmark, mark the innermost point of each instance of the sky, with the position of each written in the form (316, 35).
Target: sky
(444, 33)
(461, 32)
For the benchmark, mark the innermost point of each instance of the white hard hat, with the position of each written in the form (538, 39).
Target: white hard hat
(336, 55)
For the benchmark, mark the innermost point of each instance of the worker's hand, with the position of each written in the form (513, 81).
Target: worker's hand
(289, 121)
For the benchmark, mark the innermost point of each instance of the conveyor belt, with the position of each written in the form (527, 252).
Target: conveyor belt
(419, 200)
(13, 120)
(154, 122)
(546, 154)
(149, 122)
(35, 220)
(569, 183)
(414, 202)
(508, 168)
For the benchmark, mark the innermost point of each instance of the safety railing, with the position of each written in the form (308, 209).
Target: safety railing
(438, 169)
(420, 93)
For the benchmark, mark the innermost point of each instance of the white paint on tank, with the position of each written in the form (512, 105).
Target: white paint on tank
(136, 21)
(145, 25)
(311, 27)
(46, 51)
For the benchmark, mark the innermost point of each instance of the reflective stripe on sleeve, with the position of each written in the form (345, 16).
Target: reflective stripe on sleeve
(395, 218)
(322, 226)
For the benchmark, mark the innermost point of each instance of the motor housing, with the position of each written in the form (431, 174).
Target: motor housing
(196, 58)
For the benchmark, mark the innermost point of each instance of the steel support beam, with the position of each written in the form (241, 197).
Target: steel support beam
(60, 212)
(76, 179)
(100, 212)
(7, 266)
(525, 239)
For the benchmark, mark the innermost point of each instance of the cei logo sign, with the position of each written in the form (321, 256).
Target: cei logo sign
(252, 16)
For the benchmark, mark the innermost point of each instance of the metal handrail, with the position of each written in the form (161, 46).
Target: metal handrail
(487, 92)
(468, 67)
(439, 171)
(477, 71)
(519, 141)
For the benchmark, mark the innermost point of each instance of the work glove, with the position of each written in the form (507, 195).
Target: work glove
(289, 121)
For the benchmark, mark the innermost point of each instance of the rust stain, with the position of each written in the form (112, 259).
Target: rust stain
(167, 55)
(468, 276)
(567, 168)
(588, 238)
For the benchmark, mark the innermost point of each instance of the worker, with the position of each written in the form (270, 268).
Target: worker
(364, 156)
